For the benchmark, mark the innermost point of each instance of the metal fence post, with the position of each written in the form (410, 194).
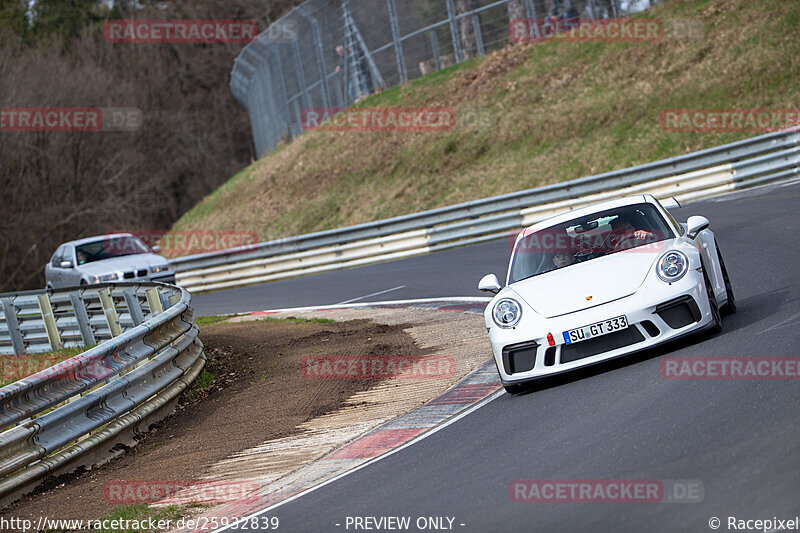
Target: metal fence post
(476, 27)
(82, 317)
(12, 323)
(50, 326)
(321, 64)
(398, 43)
(530, 7)
(437, 60)
(451, 15)
(110, 312)
(301, 75)
(284, 93)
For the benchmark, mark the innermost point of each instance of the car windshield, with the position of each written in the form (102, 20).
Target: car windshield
(586, 238)
(109, 247)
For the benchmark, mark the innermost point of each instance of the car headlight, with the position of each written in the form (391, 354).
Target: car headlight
(672, 266)
(156, 270)
(106, 277)
(506, 313)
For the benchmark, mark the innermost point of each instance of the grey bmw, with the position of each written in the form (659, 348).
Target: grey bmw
(105, 259)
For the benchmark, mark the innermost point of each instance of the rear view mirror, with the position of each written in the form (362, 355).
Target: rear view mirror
(156, 249)
(695, 225)
(66, 264)
(489, 283)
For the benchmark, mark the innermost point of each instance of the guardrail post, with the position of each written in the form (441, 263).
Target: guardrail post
(154, 301)
(13, 326)
(134, 307)
(165, 302)
(83, 319)
(46, 308)
(110, 311)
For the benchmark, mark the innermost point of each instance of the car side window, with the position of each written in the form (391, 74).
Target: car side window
(67, 255)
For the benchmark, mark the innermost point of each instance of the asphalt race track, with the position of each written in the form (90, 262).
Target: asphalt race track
(621, 420)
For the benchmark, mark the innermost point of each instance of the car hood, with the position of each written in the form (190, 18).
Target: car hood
(122, 264)
(584, 285)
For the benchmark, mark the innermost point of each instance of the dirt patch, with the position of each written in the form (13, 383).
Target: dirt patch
(258, 394)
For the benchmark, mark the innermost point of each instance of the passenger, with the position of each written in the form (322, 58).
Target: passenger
(560, 260)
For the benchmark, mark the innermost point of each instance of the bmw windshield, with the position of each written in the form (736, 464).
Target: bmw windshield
(589, 237)
(109, 247)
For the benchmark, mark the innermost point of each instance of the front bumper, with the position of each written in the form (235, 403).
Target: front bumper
(654, 317)
(164, 277)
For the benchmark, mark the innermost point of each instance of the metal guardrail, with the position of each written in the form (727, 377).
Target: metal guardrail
(746, 163)
(40, 321)
(74, 413)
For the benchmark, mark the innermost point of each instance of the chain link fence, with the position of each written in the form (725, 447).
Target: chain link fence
(330, 53)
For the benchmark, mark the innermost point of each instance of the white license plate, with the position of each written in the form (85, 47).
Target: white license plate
(595, 330)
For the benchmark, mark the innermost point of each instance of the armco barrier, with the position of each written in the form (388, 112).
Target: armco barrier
(763, 159)
(76, 412)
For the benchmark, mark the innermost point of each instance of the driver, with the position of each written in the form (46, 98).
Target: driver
(81, 257)
(623, 233)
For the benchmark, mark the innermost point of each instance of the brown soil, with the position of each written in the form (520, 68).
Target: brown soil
(258, 394)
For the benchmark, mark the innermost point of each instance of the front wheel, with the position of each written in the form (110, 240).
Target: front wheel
(716, 316)
(730, 306)
(514, 389)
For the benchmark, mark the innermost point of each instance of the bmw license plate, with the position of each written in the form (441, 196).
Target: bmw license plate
(595, 330)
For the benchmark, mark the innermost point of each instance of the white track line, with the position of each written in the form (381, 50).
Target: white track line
(425, 435)
(371, 295)
(462, 299)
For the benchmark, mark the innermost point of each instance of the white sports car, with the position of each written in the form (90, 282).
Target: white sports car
(601, 282)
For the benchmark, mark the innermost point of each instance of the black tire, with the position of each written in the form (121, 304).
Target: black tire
(730, 306)
(514, 389)
(716, 324)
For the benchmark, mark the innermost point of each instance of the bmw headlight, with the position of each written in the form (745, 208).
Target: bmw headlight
(672, 266)
(506, 313)
(158, 269)
(106, 277)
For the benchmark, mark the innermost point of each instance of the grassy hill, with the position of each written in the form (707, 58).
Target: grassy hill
(559, 111)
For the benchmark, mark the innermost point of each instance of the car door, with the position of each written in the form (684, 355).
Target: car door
(72, 275)
(53, 271)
